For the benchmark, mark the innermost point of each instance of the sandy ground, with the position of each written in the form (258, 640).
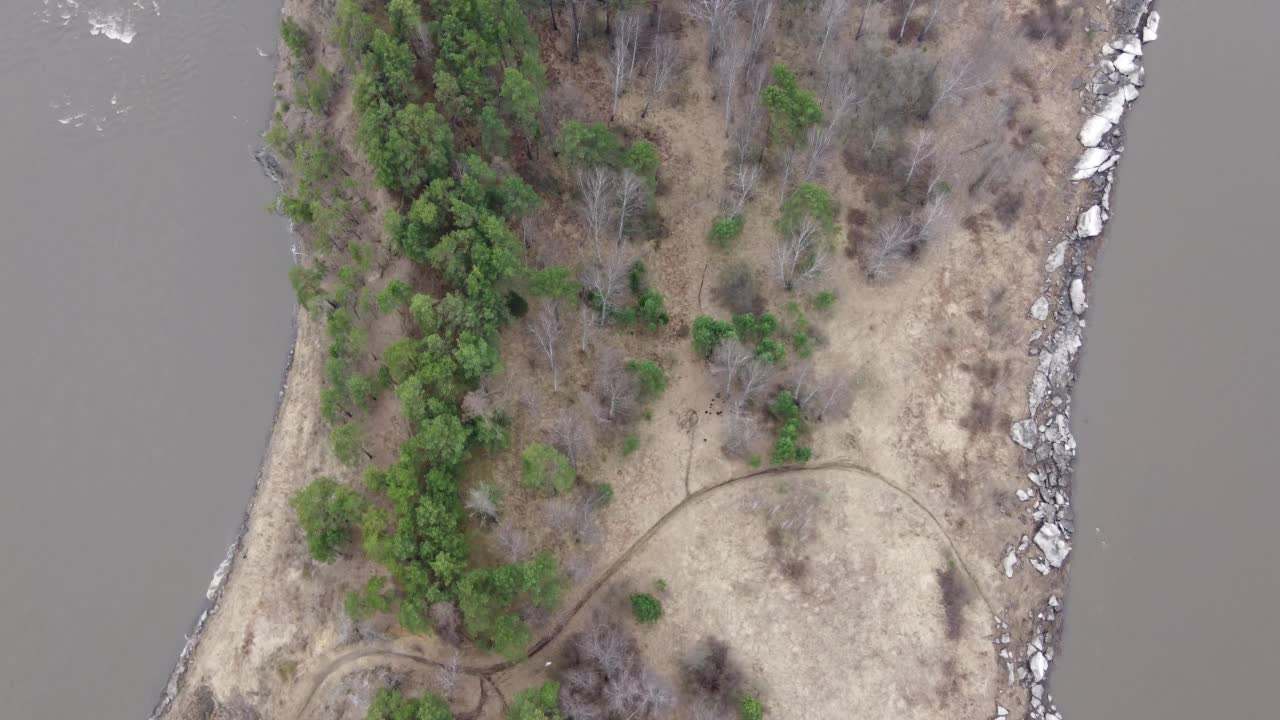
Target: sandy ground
(918, 480)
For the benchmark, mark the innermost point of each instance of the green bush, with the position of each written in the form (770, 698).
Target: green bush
(646, 608)
(630, 444)
(652, 380)
(542, 466)
(320, 87)
(537, 703)
(749, 708)
(824, 300)
(583, 145)
(771, 351)
(708, 333)
(603, 494)
(786, 447)
(725, 230)
(295, 38)
(326, 511)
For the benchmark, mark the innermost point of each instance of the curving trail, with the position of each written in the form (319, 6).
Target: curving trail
(486, 672)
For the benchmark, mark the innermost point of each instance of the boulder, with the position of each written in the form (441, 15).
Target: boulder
(1040, 308)
(1113, 109)
(1126, 63)
(1090, 162)
(1049, 538)
(1095, 128)
(1078, 303)
(1150, 31)
(1056, 258)
(1089, 224)
(1039, 665)
(1024, 433)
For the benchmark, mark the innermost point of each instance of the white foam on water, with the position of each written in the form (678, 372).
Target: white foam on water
(116, 26)
(220, 574)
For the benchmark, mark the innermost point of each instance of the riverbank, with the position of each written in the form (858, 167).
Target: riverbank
(1046, 434)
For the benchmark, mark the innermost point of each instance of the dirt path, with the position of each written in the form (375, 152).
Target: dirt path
(389, 649)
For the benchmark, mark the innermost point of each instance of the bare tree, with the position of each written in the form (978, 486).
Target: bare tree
(742, 186)
(616, 389)
(922, 149)
(622, 59)
(747, 130)
(753, 380)
(482, 501)
(515, 545)
(606, 280)
(959, 78)
(830, 15)
(820, 397)
(893, 242)
(577, 567)
(572, 435)
(606, 645)
(730, 71)
(447, 675)
(664, 65)
(800, 257)
(841, 99)
(906, 16)
(629, 198)
(932, 219)
(714, 14)
(862, 20)
(546, 328)
(596, 206)
(760, 14)
(739, 432)
(727, 360)
(586, 328)
(933, 15)
(579, 13)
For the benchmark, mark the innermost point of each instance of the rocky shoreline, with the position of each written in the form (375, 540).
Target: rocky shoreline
(1045, 434)
(217, 585)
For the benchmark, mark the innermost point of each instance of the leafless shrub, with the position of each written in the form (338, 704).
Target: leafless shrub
(575, 514)
(748, 131)
(607, 678)
(736, 288)
(955, 596)
(513, 542)
(448, 674)
(572, 435)
(577, 568)
(1052, 19)
(800, 257)
(616, 389)
(479, 404)
(820, 396)
(446, 620)
(482, 502)
(708, 670)
(1008, 207)
(586, 328)
(546, 327)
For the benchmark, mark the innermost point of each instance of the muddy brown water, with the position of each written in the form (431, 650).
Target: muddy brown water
(144, 326)
(1176, 569)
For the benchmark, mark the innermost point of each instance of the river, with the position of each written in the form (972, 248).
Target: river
(145, 319)
(1175, 572)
